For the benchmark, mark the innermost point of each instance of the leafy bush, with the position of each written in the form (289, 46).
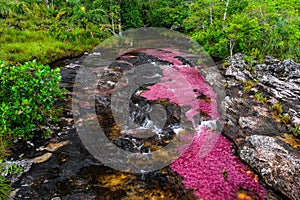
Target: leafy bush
(4, 188)
(224, 28)
(28, 93)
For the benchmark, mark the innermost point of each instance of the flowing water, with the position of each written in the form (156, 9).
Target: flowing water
(207, 168)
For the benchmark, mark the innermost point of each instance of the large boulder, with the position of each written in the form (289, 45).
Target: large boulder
(277, 164)
(260, 130)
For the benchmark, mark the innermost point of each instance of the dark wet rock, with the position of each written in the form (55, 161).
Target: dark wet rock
(71, 172)
(262, 138)
(283, 89)
(68, 77)
(66, 171)
(287, 68)
(278, 165)
(72, 66)
(245, 116)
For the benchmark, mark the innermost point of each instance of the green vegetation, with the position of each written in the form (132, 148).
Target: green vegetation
(4, 188)
(7, 170)
(295, 130)
(278, 113)
(256, 28)
(36, 45)
(277, 109)
(285, 118)
(46, 31)
(10, 169)
(226, 64)
(248, 85)
(259, 97)
(33, 29)
(28, 93)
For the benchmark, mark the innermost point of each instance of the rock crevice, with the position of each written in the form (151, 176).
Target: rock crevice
(260, 118)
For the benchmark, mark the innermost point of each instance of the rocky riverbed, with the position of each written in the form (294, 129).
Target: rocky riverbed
(265, 150)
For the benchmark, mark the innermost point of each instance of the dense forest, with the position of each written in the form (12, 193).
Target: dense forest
(44, 31)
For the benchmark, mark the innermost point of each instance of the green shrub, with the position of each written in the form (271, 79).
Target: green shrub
(10, 169)
(285, 118)
(4, 188)
(295, 130)
(277, 109)
(27, 94)
(4, 182)
(259, 97)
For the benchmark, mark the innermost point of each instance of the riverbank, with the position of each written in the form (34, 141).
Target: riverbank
(31, 30)
(63, 169)
(19, 46)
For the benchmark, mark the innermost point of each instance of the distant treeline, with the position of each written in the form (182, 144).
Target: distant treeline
(222, 27)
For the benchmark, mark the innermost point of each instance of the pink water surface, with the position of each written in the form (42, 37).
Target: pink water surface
(208, 166)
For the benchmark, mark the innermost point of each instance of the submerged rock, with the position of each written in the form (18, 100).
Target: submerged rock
(43, 158)
(210, 168)
(218, 174)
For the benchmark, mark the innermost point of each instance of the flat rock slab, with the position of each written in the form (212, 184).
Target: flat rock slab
(277, 165)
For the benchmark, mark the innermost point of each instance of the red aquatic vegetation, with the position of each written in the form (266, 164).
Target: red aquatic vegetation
(218, 174)
(182, 84)
(208, 166)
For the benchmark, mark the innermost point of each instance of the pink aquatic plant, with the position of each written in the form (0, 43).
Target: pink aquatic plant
(219, 174)
(182, 85)
(209, 168)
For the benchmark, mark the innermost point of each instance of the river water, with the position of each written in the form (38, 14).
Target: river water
(205, 167)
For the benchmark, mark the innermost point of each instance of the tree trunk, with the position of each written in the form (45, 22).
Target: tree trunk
(231, 45)
(113, 26)
(119, 19)
(226, 8)
(47, 3)
(210, 12)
